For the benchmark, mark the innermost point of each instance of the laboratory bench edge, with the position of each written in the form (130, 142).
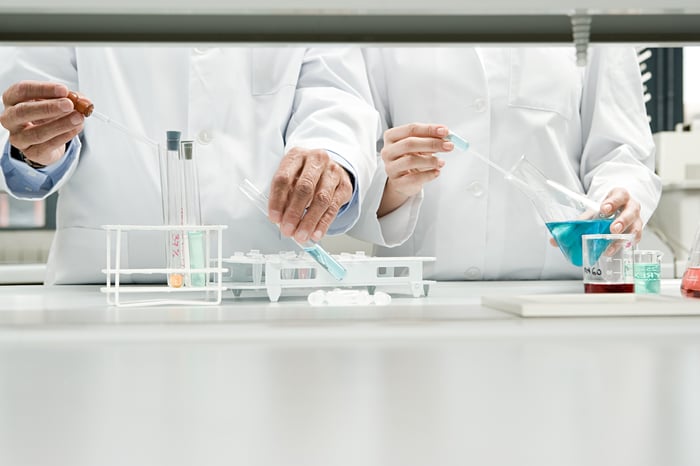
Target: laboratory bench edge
(451, 310)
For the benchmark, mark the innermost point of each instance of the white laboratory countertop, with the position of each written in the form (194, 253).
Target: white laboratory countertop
(440, 380)
(21, 274)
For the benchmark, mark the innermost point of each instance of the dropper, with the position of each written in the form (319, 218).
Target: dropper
(462, 144)
(102, 117)
(84, 106)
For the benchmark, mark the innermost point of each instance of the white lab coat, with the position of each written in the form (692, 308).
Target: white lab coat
(583, 127)
(244, 107)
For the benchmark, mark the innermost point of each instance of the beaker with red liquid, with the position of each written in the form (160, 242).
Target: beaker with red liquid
(608, 263)
(690, 285)
(608, 287)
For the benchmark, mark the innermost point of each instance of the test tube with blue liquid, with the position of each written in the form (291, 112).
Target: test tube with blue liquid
(194, 253)
(312, 248)
(567, 214)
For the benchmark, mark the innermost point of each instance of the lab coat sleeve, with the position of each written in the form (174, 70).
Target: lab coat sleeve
(333, 111)
(394, 228)
(618, 147)
(24, 182)
(39, 64)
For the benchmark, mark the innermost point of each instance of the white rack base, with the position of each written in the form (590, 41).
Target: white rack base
(274, 273)
(121, 295)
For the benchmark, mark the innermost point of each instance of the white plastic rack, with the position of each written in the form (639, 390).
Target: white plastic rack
(123, 295)
(276, 272)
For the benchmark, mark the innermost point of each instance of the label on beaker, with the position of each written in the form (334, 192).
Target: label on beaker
(647, 278)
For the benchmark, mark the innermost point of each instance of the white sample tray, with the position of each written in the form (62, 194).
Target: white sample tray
(593, 304)
(275, 273)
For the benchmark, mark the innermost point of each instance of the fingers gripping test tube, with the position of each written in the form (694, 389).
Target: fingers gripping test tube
(459, 142)
(312, 248)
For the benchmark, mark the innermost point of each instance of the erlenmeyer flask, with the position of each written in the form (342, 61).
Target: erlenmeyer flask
(567, 214)
(690, 285)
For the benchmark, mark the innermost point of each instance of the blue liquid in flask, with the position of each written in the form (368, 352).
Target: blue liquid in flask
(568, 235)
(326, 261)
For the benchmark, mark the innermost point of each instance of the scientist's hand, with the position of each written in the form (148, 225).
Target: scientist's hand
(40, 119)
(307, 191)
(629, 220)
(410, 161)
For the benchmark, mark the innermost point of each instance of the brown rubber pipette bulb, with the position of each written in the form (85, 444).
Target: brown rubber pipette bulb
(81, 104)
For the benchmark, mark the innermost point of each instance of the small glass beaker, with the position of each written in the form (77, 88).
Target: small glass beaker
(568, 215)
(608, 263)
(647, 271)
(690, 284)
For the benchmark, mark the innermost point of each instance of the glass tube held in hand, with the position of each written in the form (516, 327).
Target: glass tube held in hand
(312, 248)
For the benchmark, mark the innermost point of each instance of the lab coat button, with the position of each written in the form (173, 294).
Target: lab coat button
(479, 105)
(204, 137)
(476, 189)
(472, 273)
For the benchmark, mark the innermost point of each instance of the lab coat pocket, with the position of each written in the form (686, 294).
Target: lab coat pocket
(274, 69)
(545, 79)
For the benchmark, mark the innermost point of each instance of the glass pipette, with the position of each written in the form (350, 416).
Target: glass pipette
(462, 144)
(87, 108)
(311, 247)
(102, 117)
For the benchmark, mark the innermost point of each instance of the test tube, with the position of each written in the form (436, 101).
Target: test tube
(194, 258)
(312, 248)
(175, 210)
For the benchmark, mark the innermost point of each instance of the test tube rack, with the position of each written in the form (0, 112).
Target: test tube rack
(275, 272)
(128, 295)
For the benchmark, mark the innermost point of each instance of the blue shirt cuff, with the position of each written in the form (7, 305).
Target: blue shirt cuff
(26, 182)
(348, 213)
